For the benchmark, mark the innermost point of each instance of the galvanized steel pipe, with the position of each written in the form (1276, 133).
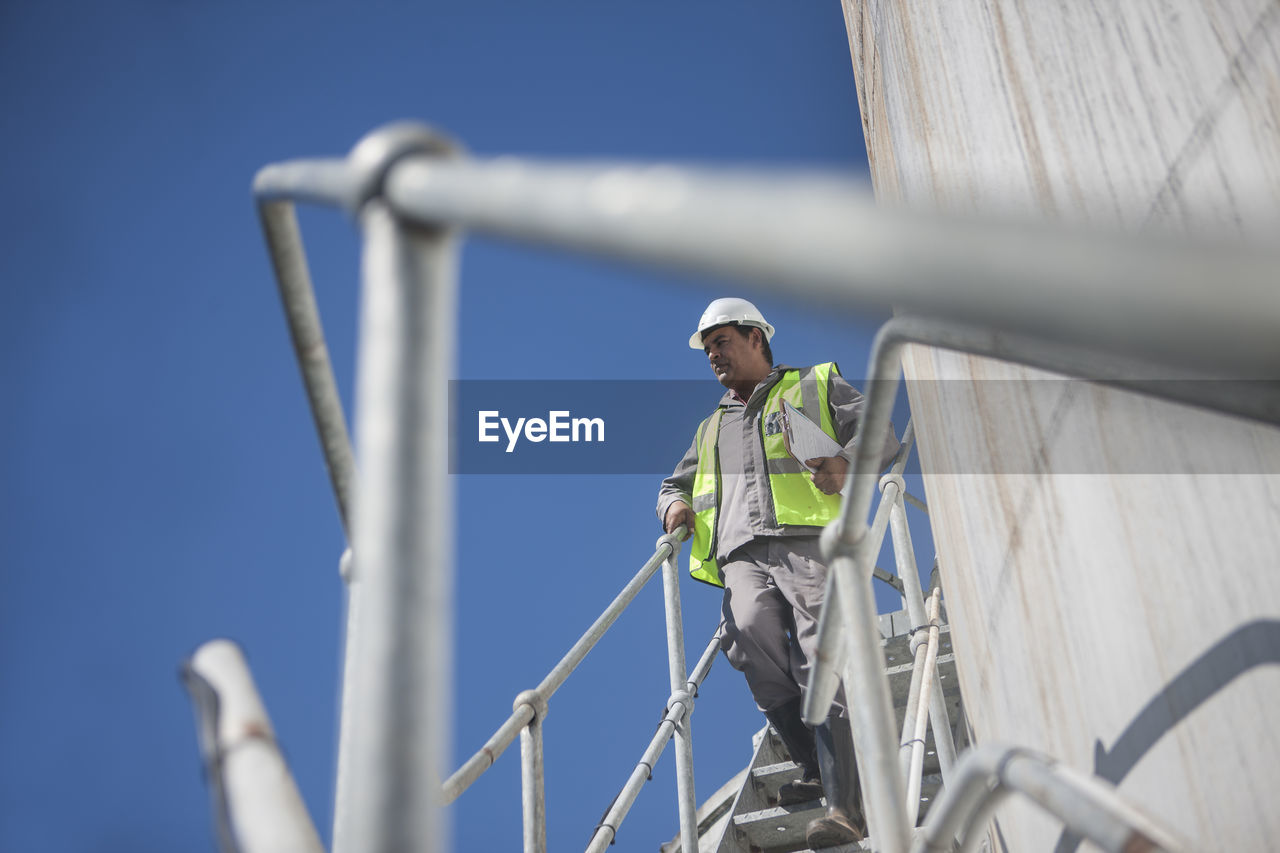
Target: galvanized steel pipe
(329, 181)
(685, 791)
(667, 545)
(527, 703)
(679, 705)
(403, 530)
(1088, 806)
(257, 805)
(533, 801)
(913, 594)
(872, 715)
(293, 279)
(829, 655)
(922, 713)
(488, 754)
(607, 831)
(851, 552)
(911, 711)
(825, 236)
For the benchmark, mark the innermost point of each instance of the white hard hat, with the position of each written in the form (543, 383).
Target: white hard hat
(730, 310)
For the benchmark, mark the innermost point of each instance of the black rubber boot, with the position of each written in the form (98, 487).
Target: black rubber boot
(798, 739)
(843, 823)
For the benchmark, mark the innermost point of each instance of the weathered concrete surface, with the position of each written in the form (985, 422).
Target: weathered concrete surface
(1114, 591)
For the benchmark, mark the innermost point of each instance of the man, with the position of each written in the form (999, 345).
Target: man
(756, 515)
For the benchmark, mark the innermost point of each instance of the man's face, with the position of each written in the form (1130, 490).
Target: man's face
(735, 359)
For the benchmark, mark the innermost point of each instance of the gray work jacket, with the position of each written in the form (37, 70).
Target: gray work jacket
(745, 509)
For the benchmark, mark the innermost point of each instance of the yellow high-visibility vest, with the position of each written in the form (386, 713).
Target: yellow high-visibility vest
(795, 499)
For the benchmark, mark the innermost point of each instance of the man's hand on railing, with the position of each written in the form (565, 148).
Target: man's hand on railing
(677, 514)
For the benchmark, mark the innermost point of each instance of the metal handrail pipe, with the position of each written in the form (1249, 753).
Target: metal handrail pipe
(904, 553)
(497, 744)
(827, 238)
(913, 705)
(1204, 389)
(1087, 806)
(533, 798)
(403, 541)
(851, 550)
(940, 722)
(862, 476)
(346, 702)
(906, 446)
(297, 295)
(607, 831)
(679, 708)
(871, 715)
(916, 502)
(830, 654)
(257, 807)
(922, 714)
(477, 764)
(930, 696)
(952, 816)
(913, 594)
(824, 674)
(1082, 801)
(332, 181)
(883, 371)
(704, 664)
(686, 794)
(978, 828)
(667, 545)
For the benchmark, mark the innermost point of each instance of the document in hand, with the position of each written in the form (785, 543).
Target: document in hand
(803, 438)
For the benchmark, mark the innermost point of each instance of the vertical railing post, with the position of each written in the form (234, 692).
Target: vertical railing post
(905, 556)
(532, 790)
(918, 675)
(680, 685)
(872, 715)
(346, 698)
(402, 537)
(930, 643)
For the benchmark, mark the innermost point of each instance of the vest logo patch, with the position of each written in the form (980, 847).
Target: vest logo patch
(773, 424)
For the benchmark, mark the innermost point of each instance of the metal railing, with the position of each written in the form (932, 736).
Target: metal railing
(851, 544)
(849, 646)
(531, 706)
(1085, 804)
(1136, 298)
(257, 807)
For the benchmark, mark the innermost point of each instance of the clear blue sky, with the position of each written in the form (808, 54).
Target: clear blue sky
(160, 480)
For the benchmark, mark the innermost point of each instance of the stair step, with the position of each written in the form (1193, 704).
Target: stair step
(757, 824)
(769, 778)
(900, 680)
(930, 785)
(897, 649)
(780, 828)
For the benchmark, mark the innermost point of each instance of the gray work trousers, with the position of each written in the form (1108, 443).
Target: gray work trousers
(774, 587)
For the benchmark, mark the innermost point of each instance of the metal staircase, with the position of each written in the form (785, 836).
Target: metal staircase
(413, 191)
(744, 815)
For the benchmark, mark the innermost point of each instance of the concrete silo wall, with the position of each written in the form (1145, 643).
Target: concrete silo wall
(1111, 562)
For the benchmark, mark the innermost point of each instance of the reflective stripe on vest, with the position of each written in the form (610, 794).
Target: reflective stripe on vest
(795, 499)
